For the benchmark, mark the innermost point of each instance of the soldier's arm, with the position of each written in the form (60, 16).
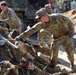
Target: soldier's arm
(23, 36)
(11, 14)
(70, 25)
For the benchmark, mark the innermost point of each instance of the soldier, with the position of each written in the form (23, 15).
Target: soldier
(60, 27)
(10, 17)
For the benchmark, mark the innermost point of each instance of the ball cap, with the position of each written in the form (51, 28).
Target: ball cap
(40, 13)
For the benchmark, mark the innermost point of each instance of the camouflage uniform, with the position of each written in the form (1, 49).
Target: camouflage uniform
(12, 20)
(59, 26)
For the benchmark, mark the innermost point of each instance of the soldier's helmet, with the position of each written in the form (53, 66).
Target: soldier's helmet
(40, 13)
(48, 6)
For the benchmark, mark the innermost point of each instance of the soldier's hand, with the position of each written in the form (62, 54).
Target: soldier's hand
(19, 38)
(22, 38)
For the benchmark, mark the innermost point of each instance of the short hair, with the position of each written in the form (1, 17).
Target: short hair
(3, 3)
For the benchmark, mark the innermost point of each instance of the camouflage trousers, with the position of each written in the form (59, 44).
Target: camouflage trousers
(68, 46)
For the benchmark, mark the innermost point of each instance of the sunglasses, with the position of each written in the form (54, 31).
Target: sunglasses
(39, 18)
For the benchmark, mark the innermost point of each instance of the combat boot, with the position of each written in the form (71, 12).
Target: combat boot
(72, 66)
(53, 64)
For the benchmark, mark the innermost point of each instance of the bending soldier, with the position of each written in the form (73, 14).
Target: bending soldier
(60, 27)
(10, 17)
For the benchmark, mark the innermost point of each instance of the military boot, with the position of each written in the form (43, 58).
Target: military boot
(72, 66)
(53, 64)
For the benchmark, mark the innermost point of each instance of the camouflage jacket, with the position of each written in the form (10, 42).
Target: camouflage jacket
(58, 26)
(13, 21)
